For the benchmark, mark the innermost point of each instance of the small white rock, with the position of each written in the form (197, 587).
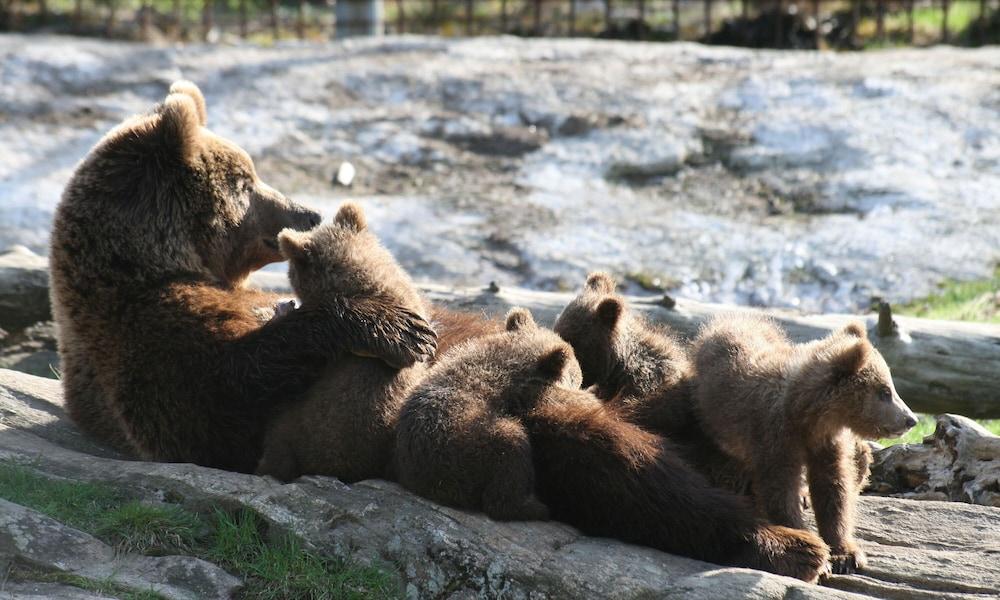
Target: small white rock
(345, 174)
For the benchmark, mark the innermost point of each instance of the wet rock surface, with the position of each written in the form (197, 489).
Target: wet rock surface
(916, 549)
(790, 179)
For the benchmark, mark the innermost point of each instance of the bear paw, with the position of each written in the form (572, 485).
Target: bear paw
(847, 559)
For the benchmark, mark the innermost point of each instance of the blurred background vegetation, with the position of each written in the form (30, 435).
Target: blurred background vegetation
(835, 24)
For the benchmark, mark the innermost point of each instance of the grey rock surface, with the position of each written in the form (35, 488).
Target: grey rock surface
(788, 179)
(24, 282)
(916, 549)
(960, 461)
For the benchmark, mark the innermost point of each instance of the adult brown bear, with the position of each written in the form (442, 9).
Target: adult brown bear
(164, 351)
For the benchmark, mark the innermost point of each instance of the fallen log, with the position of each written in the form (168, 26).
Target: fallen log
(938, 366)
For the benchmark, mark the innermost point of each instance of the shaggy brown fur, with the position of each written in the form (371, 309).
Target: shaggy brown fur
(163, 351)
(454, 327)
(460, 440)
(640, 369)
(502, 416)
(346, 425)
(780, 407)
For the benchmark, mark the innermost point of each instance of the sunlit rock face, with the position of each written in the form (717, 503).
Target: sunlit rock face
(771, 178)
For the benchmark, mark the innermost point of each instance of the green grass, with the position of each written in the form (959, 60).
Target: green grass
(151, 529)
(959, 301)
(272, 568)
(283, 569)
(925, 427)
(104, 587)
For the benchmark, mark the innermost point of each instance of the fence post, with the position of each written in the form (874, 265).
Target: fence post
(572, 17)
(675, 7)
(145, 18)
(639, 31)
(945, 7)
(206, 18)
(78, 15)
(275, 32)
(855, 20)
(909, 21)
(880, 20)
(244, 28)
(779, 25)
(300, 19)
(982, 22)
(818, 32)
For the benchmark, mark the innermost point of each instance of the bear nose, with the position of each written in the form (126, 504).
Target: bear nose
(910, 421)
(311, 218)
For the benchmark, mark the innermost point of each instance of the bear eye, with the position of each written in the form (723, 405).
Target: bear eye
(885, 394)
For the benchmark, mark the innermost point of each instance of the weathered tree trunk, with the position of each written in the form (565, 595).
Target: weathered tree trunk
(937, 366)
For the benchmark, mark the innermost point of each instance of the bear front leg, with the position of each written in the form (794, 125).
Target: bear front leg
(378, 328)
(833, 488)
(862, 463)
(777, 487)
(509, 494)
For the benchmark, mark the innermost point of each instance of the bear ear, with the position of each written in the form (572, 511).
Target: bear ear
(294, 245)
(609, 311)
(855, 329)
(552, 363)
(849, 358)
(601, 282)
(187, 88)
(351, 215)
(520, 319)
(179, 124)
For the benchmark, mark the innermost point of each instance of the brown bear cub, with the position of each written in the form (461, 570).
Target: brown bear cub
(345, 426)
(163, 348)
(499, 424)
(633, 365)
(780, 407)
(461, 439)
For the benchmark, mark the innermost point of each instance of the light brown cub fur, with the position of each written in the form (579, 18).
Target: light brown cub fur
(345, 426)
(780, 407)
(635, 366)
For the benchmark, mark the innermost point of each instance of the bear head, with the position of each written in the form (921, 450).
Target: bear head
(594, 324)
(344, 258)
(857, 385)
(163, 194)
